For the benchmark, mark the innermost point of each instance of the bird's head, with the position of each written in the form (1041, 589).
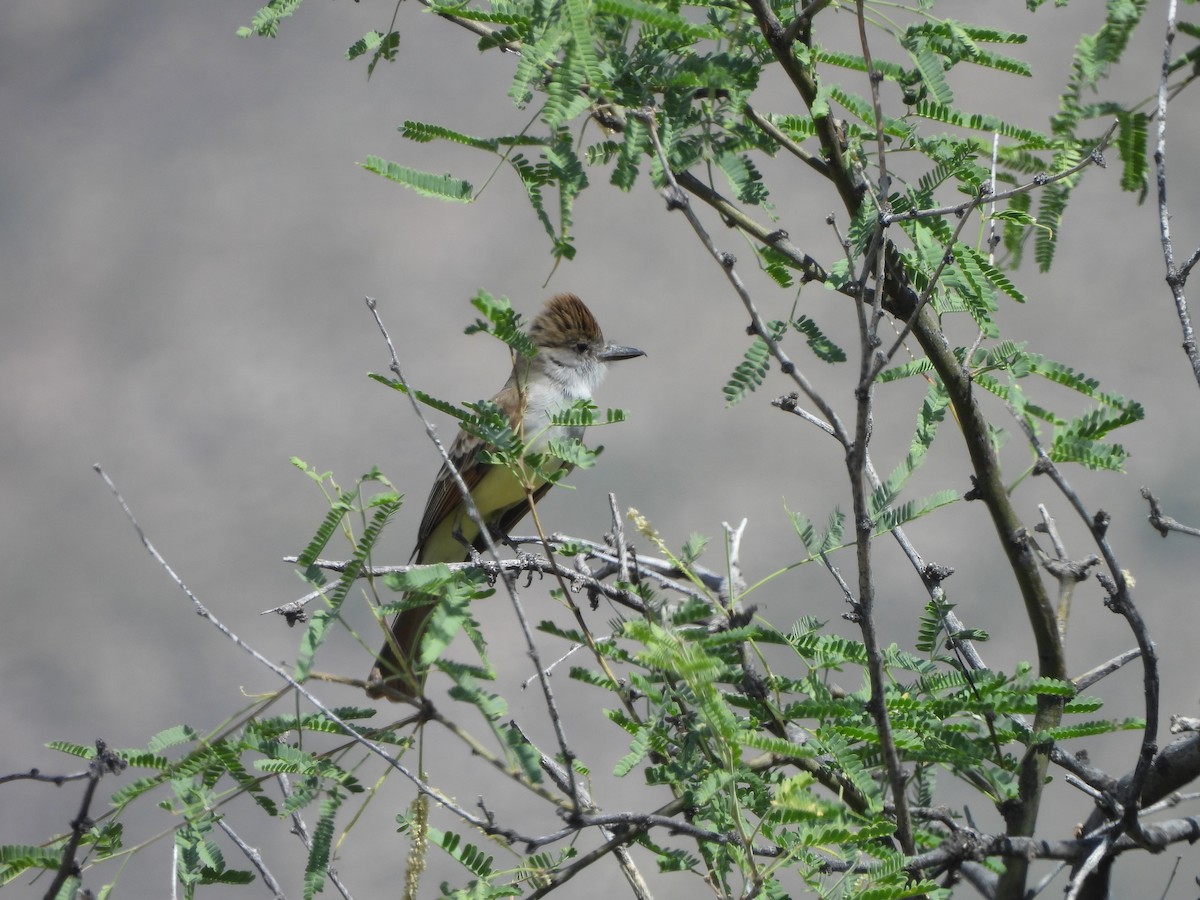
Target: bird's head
(571, 347)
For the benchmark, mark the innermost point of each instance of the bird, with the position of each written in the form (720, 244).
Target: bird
(571, 359)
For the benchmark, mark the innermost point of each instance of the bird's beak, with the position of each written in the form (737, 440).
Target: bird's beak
(613, 352)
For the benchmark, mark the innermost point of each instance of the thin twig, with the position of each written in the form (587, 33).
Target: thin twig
(105, 762)
(1038, 182)
(677, 199)
(659, 570)
(1121, 602)
(1176, 278)
(969, 657)
(478, 28)
(811, 160)
(1096, 673)
(926, 295)
(36, 775)
(856, 465)
(253, 856)
(300, 829)
(284, 675)
(618, 539)
(1162, 522)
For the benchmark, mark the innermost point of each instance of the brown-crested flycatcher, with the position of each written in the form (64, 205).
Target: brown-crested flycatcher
(570, 362)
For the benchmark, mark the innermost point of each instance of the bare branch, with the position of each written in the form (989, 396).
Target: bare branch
(1176, 278)
(1163, 523)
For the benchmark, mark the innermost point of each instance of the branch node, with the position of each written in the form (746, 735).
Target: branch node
(675, 197)
(937, 573)
(974, 493)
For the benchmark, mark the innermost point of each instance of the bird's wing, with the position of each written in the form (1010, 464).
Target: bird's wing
(514, 514)
(445, 496)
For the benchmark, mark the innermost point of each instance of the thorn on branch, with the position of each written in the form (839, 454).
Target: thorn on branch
(1110, 588)
(974, 493)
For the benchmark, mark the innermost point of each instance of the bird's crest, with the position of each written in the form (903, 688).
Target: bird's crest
(564, 321)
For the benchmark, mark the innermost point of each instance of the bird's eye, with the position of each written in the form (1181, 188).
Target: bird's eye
(581, 347)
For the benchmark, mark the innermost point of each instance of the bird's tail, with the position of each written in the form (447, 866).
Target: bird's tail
(397, 672)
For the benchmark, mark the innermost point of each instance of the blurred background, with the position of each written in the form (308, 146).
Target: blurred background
(185, 245)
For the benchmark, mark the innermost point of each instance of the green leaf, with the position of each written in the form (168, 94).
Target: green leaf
(80, 750)
(468, 856)
(996, 277)
(897, 516)
(266, 20)
(636, 142)
(524, 753)
(744, 177)
(944, 113)
(424, 133)
(659, 17)
(929, 64)
(320, 623)
(468, 689)
(805, 530)
(502, 321)
(16, 858)
(639, 749)
(906, 370)
(1132, 146)
(583, 45)
(834, 531)
(172, 737)
(328, 527)
(693, 548)
(384, 46)
(442, 187)
(824, 349)
(317, 866)
(581, 414)
(572, 451)
(750, 372)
